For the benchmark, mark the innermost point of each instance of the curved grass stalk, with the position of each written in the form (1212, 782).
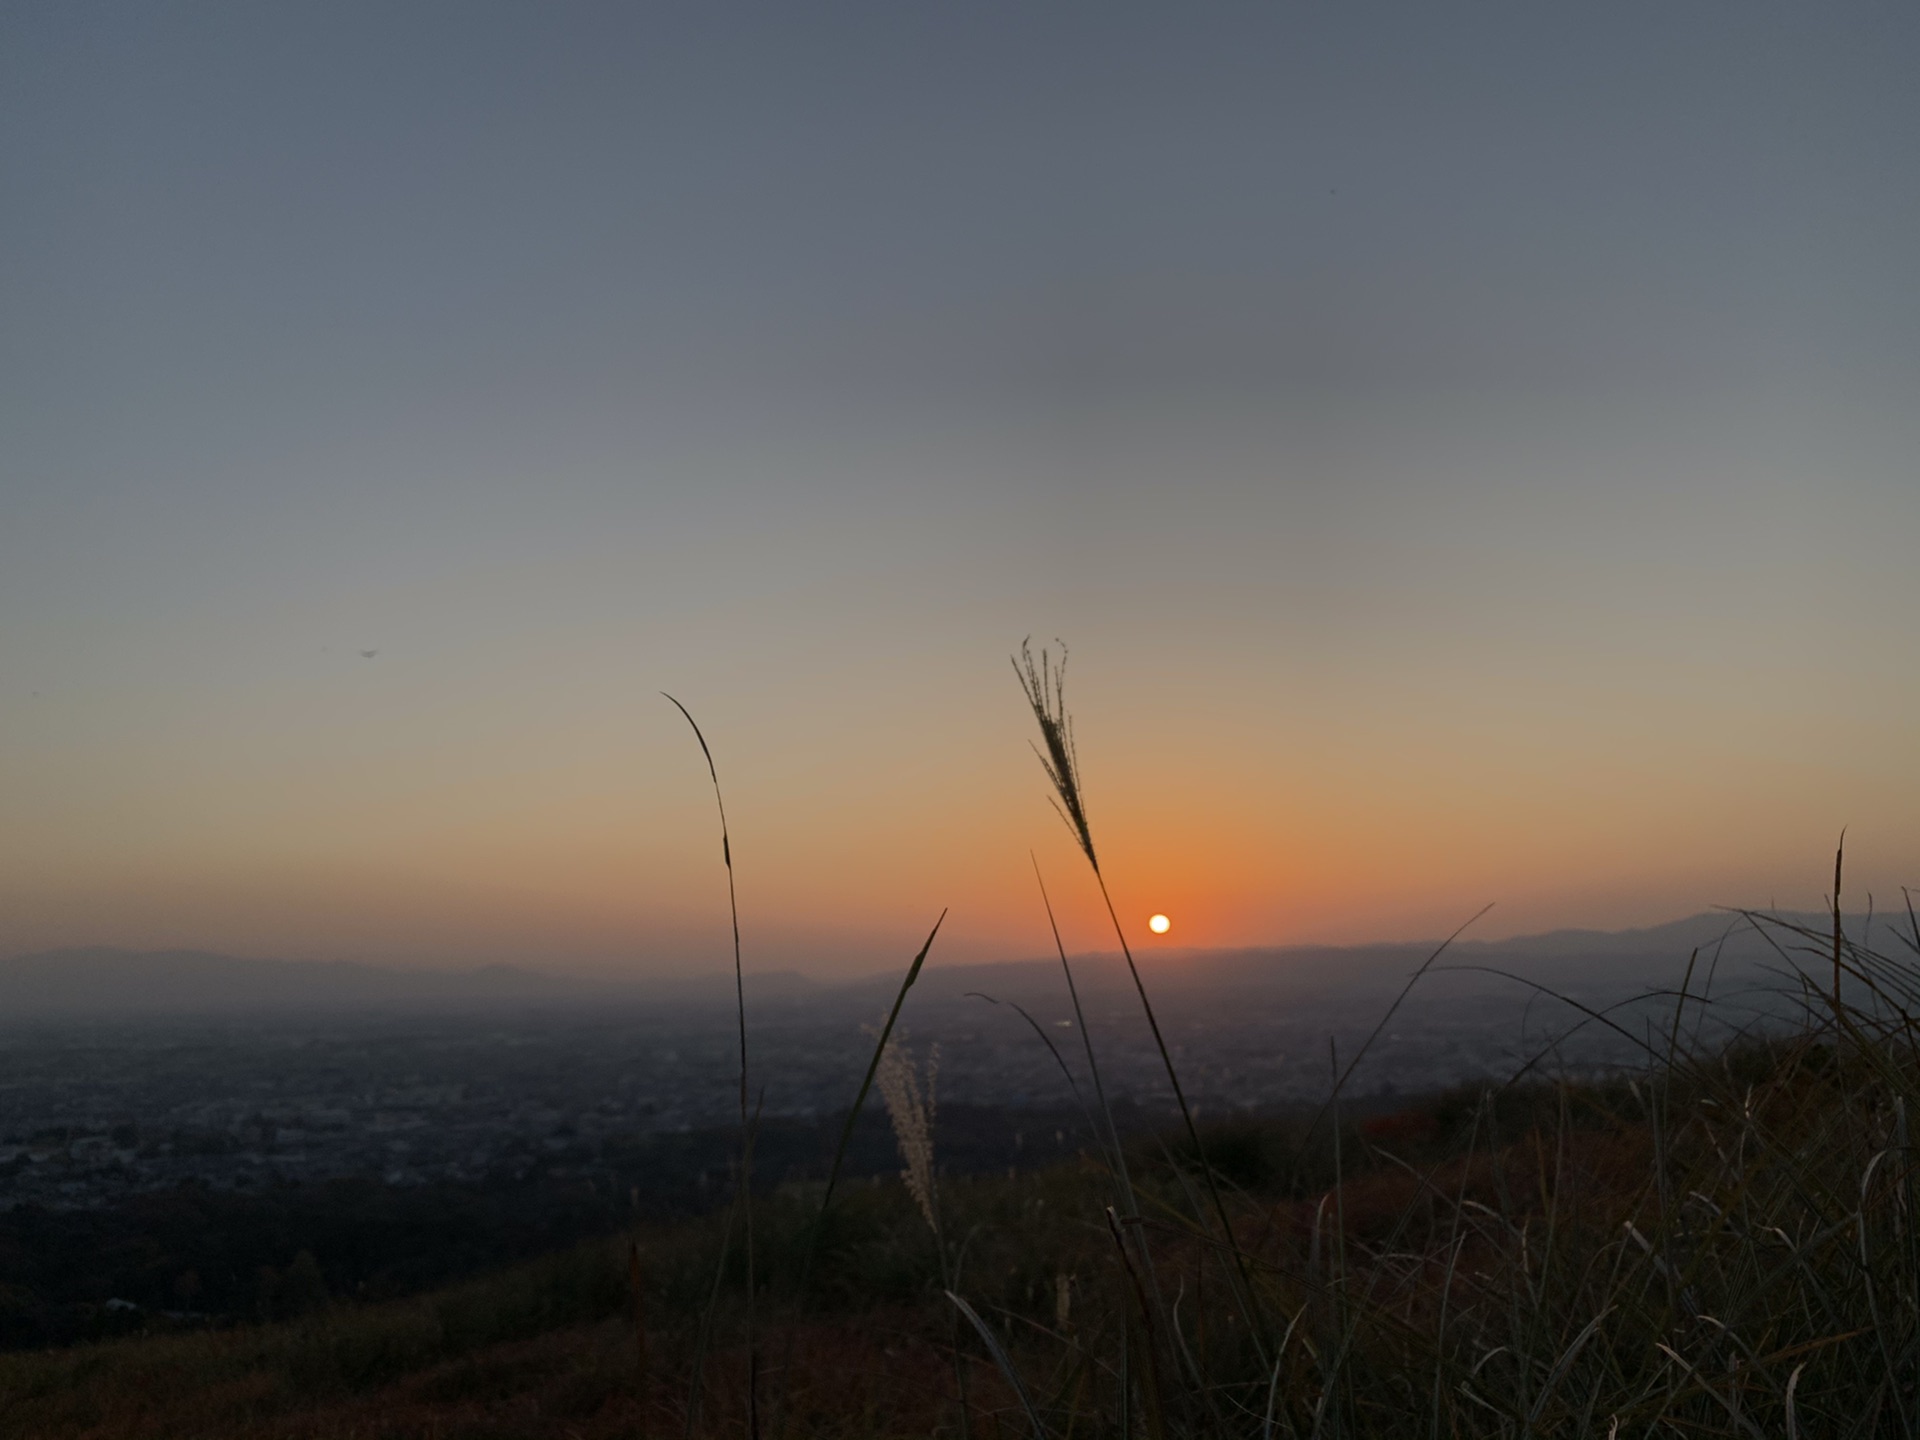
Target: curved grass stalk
(1003, 1360)
(744, 1189)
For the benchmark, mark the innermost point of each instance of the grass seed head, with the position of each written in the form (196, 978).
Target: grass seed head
(1045, 685)
(910, 1109)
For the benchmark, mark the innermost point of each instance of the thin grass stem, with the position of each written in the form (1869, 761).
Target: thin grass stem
(740, 1012)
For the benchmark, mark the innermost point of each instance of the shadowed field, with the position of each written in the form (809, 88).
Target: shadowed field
(1719, 1245)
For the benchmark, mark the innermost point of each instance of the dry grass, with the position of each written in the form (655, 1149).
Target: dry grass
(1724, 1243)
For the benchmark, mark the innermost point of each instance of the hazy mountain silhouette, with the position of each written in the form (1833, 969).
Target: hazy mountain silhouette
(1581, 963)
(84, 983)
(105, 981)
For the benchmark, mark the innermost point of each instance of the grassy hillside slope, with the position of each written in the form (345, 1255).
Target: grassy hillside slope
(1722, 1244)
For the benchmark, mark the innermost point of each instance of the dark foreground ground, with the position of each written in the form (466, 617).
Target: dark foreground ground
(1719, 1246)
(200, 1257)
(1721, 1239)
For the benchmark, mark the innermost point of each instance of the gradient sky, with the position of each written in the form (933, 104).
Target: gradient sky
(1472, 452)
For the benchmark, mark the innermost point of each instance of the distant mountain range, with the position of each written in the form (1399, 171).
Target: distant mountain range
(107, 982)
(87, 983)
(1588, 964)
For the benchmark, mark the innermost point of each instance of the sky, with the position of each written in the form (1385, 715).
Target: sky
(1471, 453)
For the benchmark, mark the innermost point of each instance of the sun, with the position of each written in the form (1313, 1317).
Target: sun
(1159, 924)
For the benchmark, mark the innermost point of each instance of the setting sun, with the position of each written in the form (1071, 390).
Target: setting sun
(1159, 924)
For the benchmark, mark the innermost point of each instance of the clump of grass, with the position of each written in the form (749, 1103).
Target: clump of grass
(1725, 1242)
(1734, 1249)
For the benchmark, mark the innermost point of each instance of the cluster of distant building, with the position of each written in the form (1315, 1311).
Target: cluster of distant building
(88, 1116)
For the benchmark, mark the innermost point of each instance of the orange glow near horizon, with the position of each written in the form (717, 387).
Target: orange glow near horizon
(1419, 545)
(530, 858)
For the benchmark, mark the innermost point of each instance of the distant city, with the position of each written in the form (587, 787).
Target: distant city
(97, 1105)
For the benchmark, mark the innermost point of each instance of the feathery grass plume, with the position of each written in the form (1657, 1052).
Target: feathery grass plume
(744, 1190)
(1044, 685)
(911, 1110)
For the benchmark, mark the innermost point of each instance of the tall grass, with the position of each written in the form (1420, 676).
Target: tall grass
(1723, 1244)
(1722, 1240)
(743, 1188)
(1717, 1242)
